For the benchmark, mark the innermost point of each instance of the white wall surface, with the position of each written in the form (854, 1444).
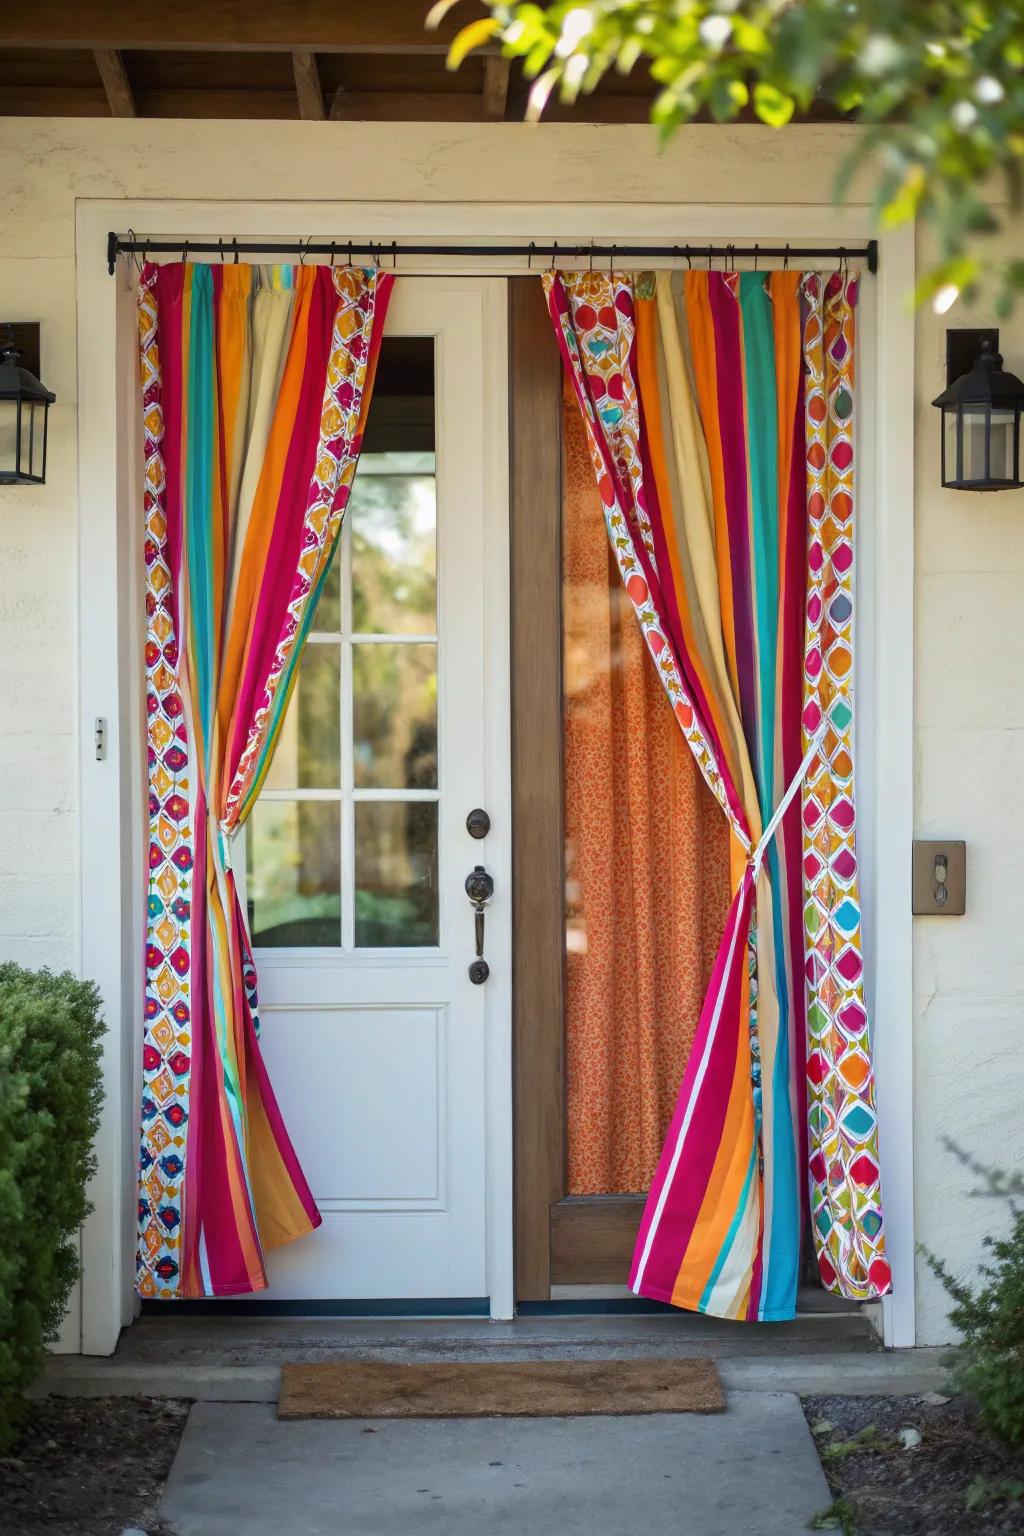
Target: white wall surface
(969, 783)
(969, 973)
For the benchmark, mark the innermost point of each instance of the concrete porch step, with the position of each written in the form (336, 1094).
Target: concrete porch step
(230, 1359)
(221, 1341)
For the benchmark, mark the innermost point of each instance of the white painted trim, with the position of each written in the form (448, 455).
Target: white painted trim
(888, 627)
(112, 845)
(110, 800)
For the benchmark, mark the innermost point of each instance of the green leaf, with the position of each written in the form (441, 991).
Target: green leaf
(978, 1494)
(772, 106)
(902, 206)
(727, 97)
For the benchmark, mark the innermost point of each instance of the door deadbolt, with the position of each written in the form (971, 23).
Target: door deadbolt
(478, 823)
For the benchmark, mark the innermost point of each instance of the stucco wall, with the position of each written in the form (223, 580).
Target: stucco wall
(969, 778)
(969, 974)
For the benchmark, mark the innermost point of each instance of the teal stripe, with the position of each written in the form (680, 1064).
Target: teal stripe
(199, 529)
(780, 1252)
(762, 447)
(781, 1257)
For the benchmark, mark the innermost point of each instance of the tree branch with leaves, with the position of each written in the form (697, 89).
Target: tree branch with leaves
(938, 88)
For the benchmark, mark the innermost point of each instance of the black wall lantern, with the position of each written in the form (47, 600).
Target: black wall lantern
(981, 408)
(24, 407)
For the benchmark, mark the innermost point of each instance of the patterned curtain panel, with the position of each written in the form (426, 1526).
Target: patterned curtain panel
(255, 386)
(719, 412)
(646, 864)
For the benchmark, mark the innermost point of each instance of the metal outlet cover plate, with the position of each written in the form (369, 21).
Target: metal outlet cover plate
(926, 884)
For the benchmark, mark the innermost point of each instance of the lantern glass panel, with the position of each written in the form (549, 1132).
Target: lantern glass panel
(8, 438)
(38, 439)
(988, 445)
(28, 437)
(1001, 454)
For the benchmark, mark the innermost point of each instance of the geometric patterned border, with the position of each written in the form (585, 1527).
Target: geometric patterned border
(166, 1050)
(845, 1193)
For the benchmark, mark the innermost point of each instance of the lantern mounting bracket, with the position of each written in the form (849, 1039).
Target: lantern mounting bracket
(24, 334)
(964, 347)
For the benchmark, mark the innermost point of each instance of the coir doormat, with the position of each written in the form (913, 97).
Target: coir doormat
(469, 1390)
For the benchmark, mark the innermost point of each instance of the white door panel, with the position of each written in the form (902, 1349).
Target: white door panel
(374, 1036)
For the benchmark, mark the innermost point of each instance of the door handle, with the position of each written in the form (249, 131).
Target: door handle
(479, 889)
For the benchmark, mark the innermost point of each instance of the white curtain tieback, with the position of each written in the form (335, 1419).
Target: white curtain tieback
(758, 853)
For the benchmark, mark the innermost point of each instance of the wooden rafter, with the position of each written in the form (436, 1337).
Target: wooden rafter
(307, 84)
(115, 82)
(321, 26)
(496, 77)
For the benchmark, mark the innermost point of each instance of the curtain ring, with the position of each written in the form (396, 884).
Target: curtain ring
(757, 250)
(302, 252)
(220, 247)
(134, 255)
(234, 242)
(350, 253)
(332, 255)
(394, 255)
(689, 262)
(611, 260)
(529, 256)
(708, 252)
(590, 264)
(184, 252)
(554, 254)
(785, 258)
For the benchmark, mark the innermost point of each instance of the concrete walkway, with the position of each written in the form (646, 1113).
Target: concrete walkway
(752, 1471)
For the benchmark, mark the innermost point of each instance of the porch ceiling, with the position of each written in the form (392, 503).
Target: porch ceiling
(275, 59)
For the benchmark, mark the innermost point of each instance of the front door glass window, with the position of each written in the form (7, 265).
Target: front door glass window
(342, 847)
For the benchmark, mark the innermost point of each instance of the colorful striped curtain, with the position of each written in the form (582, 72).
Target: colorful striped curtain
(255, 387)
(719, 412)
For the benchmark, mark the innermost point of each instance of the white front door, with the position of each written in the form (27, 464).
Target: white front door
(358, 850)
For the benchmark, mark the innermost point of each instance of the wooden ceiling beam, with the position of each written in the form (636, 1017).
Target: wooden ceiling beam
(307, 85)
(496, 78)
(115, 82)
(319, 26)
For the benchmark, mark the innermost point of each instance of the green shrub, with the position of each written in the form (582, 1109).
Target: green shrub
(989, 1366)
(49, 1108)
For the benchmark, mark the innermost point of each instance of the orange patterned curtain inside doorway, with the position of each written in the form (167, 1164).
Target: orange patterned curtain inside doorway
(647, 865)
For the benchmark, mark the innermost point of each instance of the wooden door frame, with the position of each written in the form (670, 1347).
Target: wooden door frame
(559, 1239)
(538, 902)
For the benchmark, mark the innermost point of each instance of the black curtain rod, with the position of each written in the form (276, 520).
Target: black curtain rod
(545, 254)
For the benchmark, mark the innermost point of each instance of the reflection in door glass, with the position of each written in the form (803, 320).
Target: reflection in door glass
(293, 870)
(394, 714)
(393, 516)
(396, 874)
